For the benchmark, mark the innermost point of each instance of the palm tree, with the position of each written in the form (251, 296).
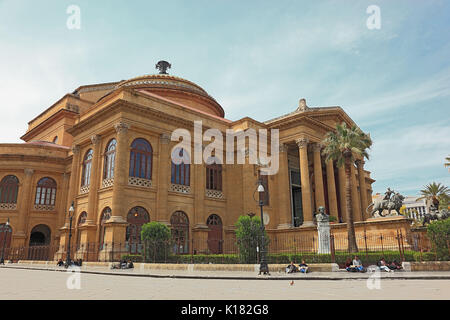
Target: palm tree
(447, 162)
(343, 145)
(435, 191)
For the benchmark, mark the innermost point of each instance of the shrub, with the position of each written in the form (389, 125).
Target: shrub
(248, 236)
(157, 241)
(439, 234)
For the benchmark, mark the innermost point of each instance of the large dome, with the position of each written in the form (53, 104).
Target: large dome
(176, 89)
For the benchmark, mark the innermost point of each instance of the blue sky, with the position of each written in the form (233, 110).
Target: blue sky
(257, 58)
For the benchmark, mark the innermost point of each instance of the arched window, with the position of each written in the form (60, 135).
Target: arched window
(106, 215)
(9, 187)
(136, 218)
(180, 232)
(87, 166)
(141, 159)
(110, 157)
(214, 175)
(81, 220)
(181, 173)
(46, 192)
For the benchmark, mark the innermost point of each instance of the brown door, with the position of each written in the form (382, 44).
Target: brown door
(215, 241)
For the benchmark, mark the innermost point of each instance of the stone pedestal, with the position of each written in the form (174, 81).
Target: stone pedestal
(323, 229)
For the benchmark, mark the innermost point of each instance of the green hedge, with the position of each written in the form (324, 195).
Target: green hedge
(286, 258)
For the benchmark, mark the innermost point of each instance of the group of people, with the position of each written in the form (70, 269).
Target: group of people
(62, 263)
(355, 265)
(302, 267)
(124, 264)
(394, 265)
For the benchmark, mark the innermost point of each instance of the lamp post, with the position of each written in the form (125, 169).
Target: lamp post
(5, 232)
(264, 267)
(71, 211)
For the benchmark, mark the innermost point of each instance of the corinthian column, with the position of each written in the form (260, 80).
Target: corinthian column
(341, 175)
(362, 187)
(163, 180)
(302, 144)
(120, 173)
(356, 203)
(285, 214)
(94, 180)
(318, 176)
(331, 185)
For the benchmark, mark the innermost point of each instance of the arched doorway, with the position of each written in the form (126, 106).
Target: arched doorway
(179, 223)
(39, 244)
(215, 240)
(136, 218)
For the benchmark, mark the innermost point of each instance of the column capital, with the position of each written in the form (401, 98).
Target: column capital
(28, 172)
(95, 139)
(121, 127)
(360, 163)
(283, 147)
(317, 147)
(302, 142)
(76, 149)
(165, 138)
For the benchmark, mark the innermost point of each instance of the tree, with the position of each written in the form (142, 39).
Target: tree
(342, 146)
(436, 191)
(248, 236)
(157, 237)
(439, 234)
(447, 162)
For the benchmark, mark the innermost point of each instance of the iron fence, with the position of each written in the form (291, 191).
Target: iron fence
(280, 248)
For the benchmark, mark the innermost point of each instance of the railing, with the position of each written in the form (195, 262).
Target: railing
(280, 248)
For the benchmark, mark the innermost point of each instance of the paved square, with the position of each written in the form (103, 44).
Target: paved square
(35, 284)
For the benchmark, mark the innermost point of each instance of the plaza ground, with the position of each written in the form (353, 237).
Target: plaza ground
(39, 284)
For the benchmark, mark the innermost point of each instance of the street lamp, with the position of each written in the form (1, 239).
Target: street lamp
(264, 267)
(71, 211)
(5, 232)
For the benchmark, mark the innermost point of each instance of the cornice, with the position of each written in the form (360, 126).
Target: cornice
(32, 158)
(60, 114)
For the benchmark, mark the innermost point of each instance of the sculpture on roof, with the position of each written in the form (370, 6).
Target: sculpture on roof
(162, 66)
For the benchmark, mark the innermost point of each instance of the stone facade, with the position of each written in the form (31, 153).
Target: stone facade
(69, 142)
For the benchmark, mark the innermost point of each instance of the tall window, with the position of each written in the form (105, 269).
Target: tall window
(46, 192)
(81, 220)
(9, 187)
(87, 166)
(180, 232)
(136, 218)
(181, 172)
(214, 175)
(110, 157)
(106, 215)
(141, 159)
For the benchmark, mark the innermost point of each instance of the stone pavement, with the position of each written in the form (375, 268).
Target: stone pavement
(43, 285)
(242, 275)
